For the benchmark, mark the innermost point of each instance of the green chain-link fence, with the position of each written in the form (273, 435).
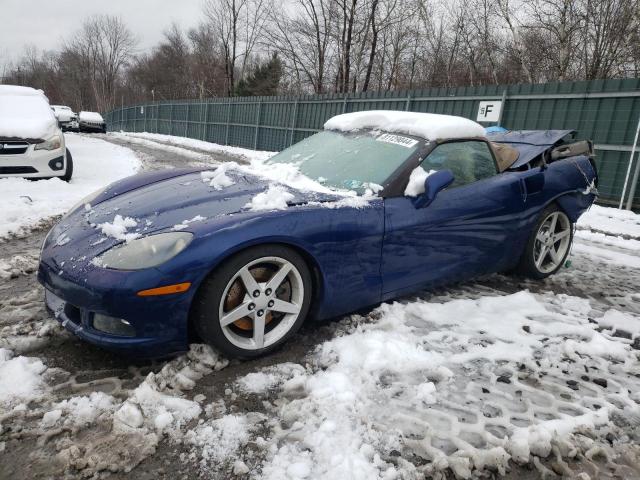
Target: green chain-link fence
(605, 111)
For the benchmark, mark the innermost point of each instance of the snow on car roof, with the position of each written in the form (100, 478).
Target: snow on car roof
(15, 90)
(25, 113)
(90, 117)
(430, 126)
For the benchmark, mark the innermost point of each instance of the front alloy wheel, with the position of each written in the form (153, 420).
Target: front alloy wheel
(261, 303)
(254, 301)
(552, 242)
(548, 245)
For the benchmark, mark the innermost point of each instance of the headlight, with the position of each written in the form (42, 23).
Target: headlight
(145, 252)
(53, 143)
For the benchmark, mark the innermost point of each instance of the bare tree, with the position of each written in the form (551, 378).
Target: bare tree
(238, 25)
(609, 27)
(103, 48)
(303, 37)
(507, 10)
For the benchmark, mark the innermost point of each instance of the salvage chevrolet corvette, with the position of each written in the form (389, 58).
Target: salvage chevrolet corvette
(383, 204)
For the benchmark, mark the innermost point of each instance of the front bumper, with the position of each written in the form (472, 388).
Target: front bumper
(34, 163)
(92, 127)
(160, 323)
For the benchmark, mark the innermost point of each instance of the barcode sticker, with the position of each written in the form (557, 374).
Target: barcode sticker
(397, 140)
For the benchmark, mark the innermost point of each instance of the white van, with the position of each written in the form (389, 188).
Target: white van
(31, 142)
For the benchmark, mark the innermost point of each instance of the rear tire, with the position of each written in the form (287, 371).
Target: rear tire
(250, 321)
(548, 245)
(68, 173)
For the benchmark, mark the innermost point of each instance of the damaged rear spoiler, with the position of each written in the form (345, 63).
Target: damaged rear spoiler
(584, 147)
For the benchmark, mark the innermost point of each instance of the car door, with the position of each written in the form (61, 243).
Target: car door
(469, 229)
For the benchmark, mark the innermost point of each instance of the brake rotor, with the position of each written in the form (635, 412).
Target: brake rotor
(237, 292)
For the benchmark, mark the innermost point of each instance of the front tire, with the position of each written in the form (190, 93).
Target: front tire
(68, 173)
(549, 244)
(254, 302)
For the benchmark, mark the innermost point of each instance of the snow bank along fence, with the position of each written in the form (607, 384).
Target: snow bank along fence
(606, 111)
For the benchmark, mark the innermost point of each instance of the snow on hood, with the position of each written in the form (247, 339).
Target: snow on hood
(25, 113)
(90, 117)
(430, 126)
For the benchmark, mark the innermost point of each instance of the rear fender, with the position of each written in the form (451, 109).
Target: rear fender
(575, 204)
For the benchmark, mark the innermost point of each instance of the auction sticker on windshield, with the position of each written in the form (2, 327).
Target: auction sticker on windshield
(397, 140)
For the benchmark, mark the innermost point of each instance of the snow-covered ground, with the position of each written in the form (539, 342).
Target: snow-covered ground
(96, 164)
(465, 381)
(189, 146)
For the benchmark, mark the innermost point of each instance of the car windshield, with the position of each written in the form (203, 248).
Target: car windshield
(354, 160)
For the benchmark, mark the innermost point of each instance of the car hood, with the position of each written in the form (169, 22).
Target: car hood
(151, 203)
(178, 201)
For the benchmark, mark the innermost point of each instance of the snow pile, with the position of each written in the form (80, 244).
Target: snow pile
(417, 178)
(218, 178)
(611, 221)
(20, 378)
(218, 440)
(610, 235)
(96, 164)
(289, 174)
(269, 377)
(620, 322)
(430, 126)
(190, 143)
(79, 411)
(273, 198)
(93, 117)
(463, 385)
(156, 404)
(27, 116)
(17, 265)
(185, 223)
(118, 228)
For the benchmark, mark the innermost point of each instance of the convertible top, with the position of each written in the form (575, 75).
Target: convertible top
(528, 143)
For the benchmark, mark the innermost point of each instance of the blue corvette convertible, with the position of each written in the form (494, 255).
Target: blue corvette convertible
(389, 203)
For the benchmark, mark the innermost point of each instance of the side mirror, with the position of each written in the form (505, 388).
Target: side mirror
(432, 185)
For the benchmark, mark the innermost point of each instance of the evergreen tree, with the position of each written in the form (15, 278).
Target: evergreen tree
(263, 81)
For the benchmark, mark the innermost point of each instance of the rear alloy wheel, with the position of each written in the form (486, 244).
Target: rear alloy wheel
(254, 302)
(548, 245)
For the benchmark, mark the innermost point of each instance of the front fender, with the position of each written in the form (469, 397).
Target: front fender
(343, 243)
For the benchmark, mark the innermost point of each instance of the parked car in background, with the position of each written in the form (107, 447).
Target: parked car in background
(31, 142)
(92, 122)
(241, 261)
(67, 118)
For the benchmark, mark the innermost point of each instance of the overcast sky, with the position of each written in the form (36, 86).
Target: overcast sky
(45, 23)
